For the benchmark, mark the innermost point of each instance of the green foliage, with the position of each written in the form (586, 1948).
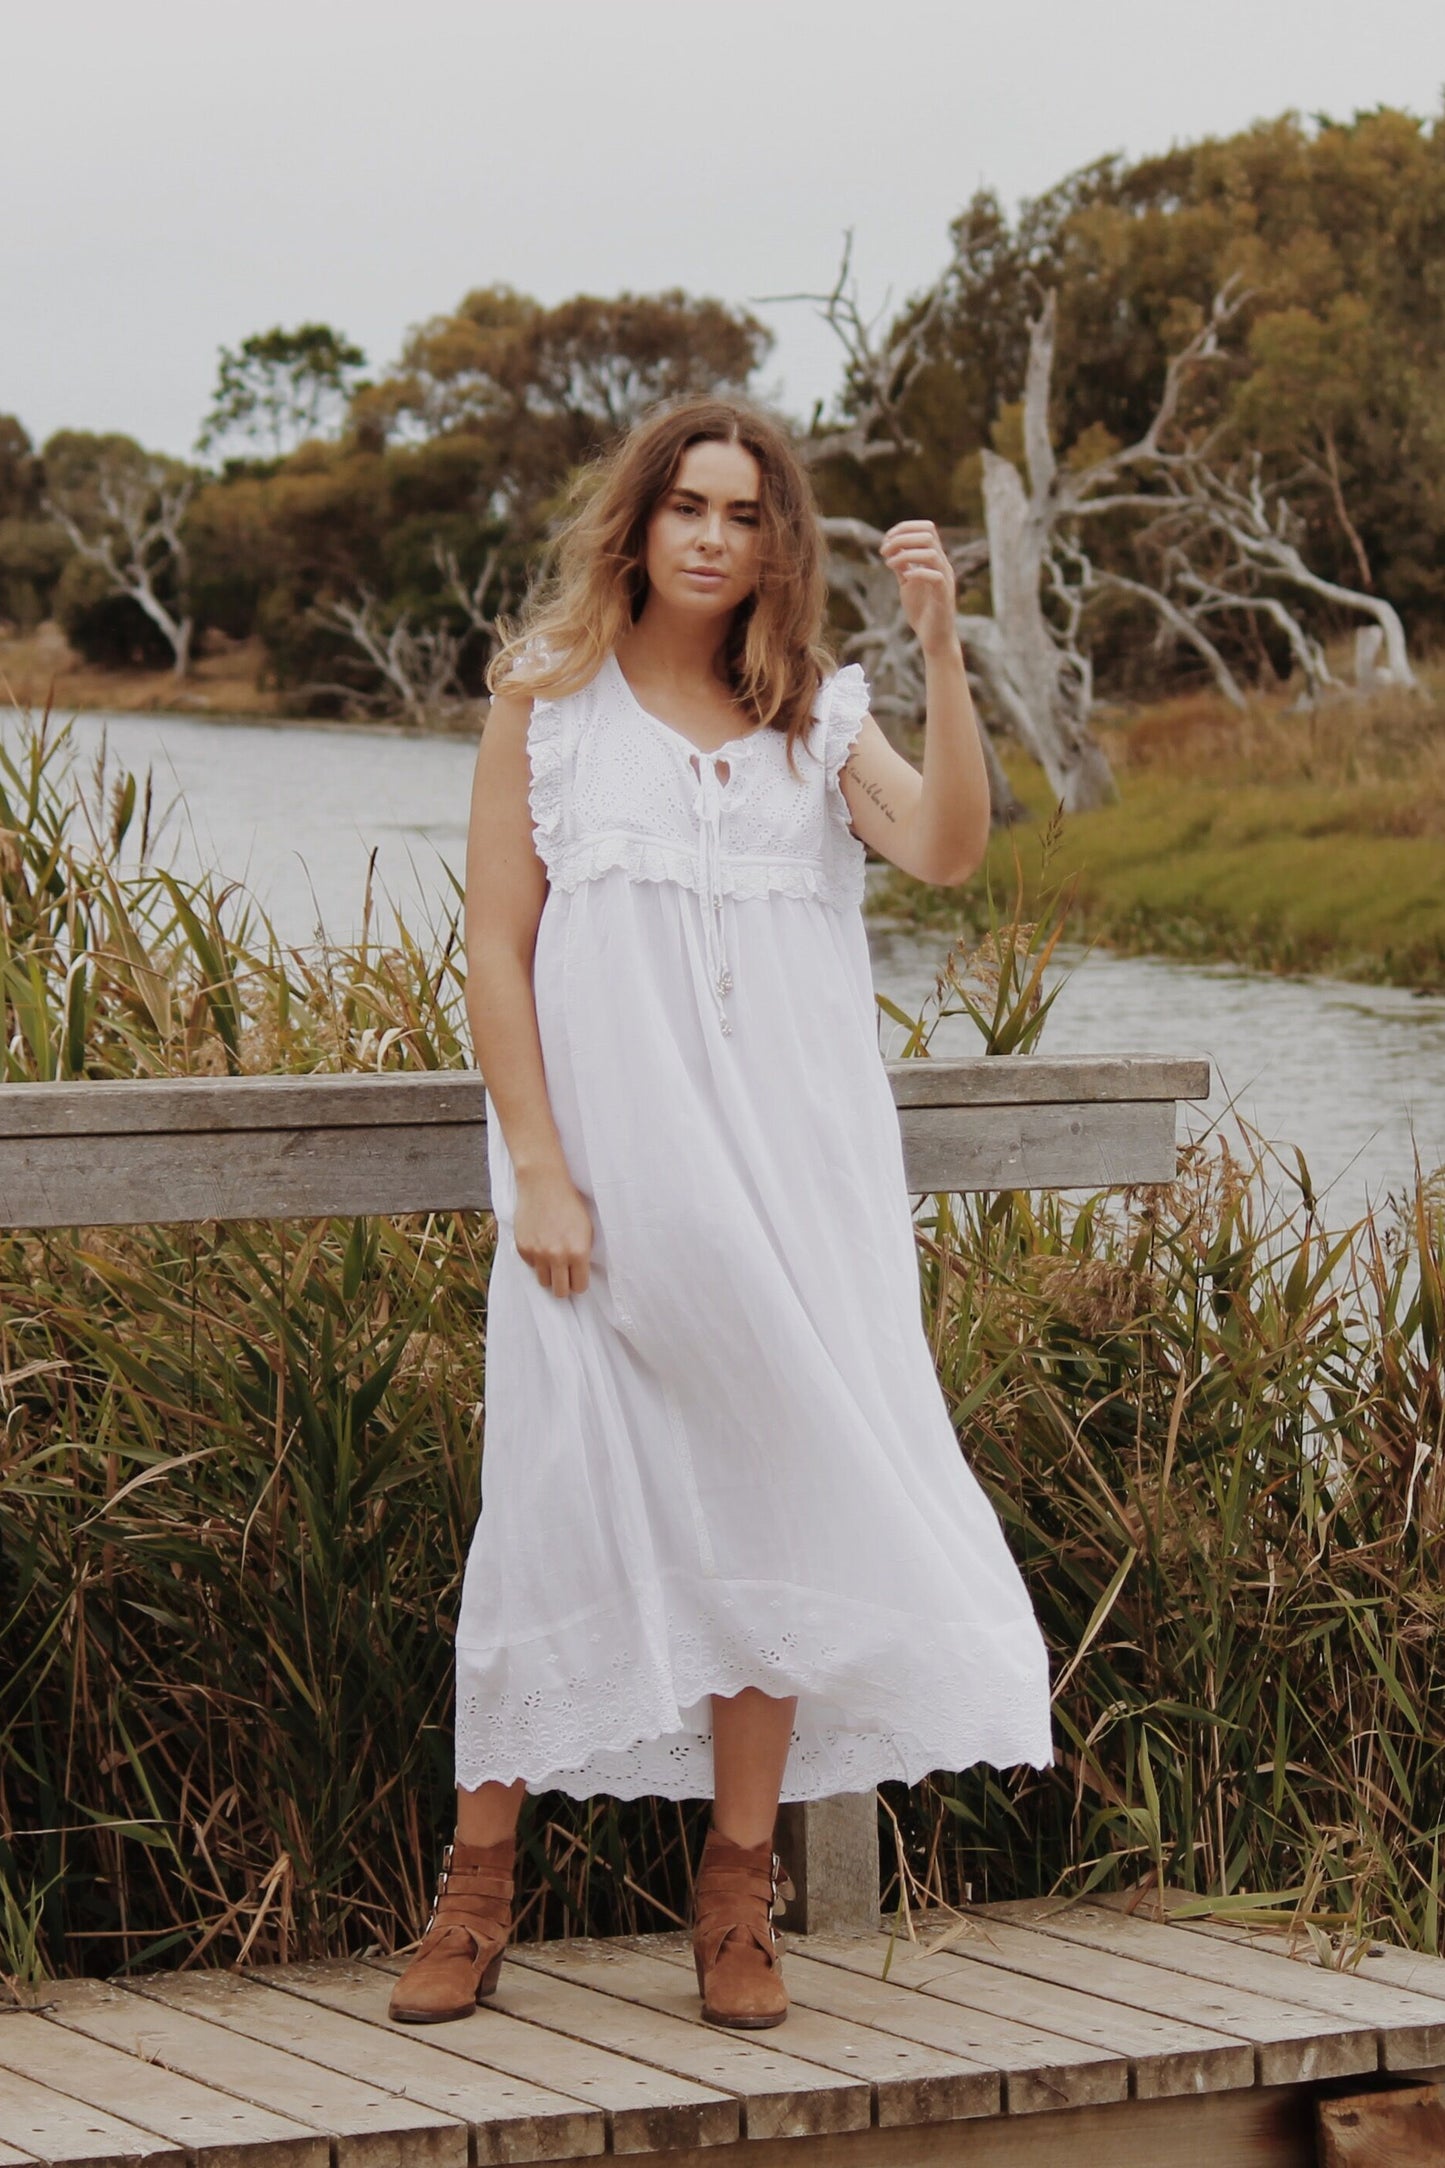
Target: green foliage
(544, 388)
(239, 1463)
(32, 550)
(279, 388)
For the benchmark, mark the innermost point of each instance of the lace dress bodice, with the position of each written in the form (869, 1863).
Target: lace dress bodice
(613, 786)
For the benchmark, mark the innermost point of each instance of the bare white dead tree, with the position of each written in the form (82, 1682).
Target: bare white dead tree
(1073, 570)
(1028, 679)
(127, 519)
(1031, 520)
(1260, 528)
(885, 645)
(1217, 538)
(417, 668)
(1212, 540)
(879, 376)
(470, 596)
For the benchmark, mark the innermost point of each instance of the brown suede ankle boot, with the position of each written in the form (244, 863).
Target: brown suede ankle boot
(735, 1947)
(461, 1952)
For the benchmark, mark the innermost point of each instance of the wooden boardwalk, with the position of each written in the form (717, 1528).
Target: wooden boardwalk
(1020, 2035)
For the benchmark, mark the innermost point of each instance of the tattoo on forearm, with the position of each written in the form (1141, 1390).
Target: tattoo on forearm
(870, 790)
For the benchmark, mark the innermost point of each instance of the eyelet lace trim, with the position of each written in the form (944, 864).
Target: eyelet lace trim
(836, 880)
(546, 749)
(847, 706)
(576, 1710)
(643, 859)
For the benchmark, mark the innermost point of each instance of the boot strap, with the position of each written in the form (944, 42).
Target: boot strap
(763, 1883)
(467, 1882)
(711, 1934)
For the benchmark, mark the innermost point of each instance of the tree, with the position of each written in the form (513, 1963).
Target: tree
(540, 390)
(1336, 375)
(32, 552)
(414, 669)
(1038, 685)
(279, 388)
(123, 510)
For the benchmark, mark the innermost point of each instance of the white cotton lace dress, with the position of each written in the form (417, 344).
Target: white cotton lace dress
(727, 1462)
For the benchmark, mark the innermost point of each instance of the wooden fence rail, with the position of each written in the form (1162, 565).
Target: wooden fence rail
(130, 1152)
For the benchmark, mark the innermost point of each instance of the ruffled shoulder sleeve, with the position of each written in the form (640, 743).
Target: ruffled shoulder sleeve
(547, 758)
(844, 703)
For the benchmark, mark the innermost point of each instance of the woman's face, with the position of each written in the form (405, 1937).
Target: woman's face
(702, 537)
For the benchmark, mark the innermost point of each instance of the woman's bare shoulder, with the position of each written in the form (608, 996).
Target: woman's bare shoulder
(509, 713)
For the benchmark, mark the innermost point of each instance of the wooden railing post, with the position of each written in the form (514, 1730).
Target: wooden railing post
(830, 1849)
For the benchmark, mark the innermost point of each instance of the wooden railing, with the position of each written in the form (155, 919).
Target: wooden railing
(286, 1147)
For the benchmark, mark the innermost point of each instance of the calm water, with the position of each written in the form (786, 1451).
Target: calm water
(1354, 1075)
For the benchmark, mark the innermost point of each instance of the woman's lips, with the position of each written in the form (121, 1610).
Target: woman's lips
(713, 579)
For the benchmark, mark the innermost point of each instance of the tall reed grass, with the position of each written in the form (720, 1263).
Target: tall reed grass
(239, 1464)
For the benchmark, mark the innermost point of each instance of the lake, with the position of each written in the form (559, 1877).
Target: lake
(1353, 1075)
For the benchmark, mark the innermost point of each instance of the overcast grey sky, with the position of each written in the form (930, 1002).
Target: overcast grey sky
(179, 173)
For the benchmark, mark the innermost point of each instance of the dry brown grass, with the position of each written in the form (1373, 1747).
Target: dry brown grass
(42, 669)
(1387, 752)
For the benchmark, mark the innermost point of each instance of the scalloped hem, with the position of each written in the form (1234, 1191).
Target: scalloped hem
(639, 1724)
(821, 1764)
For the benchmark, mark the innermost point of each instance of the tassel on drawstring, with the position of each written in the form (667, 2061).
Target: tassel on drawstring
(707, 804)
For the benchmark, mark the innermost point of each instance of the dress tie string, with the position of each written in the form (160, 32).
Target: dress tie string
(707, 804)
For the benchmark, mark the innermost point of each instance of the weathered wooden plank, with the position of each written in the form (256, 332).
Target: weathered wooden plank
(1293, 2046)
(1388, 1962)
(1402, 2129)
(1039, 2071)
(1165, 2055)
(779, 2095)
(109, 1181)
(1259, 2127)
(1038, 1147)
(1070, 1080)
(1407, 2024)
(647, 2110)
(311, 1173)
(510, 2120)
(440, 1097)
(227, 1105)
(58, 2128)
(911, 2082)
(367, 2128)
(214, 2128)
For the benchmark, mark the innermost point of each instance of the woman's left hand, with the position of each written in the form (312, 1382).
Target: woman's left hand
(926, 585)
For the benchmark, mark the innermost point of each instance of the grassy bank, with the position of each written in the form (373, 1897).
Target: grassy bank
(1309, 842)
(239, 1464)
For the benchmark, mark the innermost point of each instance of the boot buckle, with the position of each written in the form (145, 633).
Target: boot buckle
(442, 1879)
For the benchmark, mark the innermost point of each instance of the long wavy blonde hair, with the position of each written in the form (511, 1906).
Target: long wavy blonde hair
(773, 657)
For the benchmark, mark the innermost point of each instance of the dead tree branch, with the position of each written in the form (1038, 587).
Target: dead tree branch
(131, 529)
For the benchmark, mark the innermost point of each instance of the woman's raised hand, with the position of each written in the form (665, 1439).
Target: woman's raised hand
(912, 551)
(553, 1230)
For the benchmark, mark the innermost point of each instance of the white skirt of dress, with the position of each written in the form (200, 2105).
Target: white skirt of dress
(728, 1461)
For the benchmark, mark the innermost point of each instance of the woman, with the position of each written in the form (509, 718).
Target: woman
(728, 1545)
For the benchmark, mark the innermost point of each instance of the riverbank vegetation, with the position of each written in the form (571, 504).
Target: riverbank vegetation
(239, 1463)
(1280, 839)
